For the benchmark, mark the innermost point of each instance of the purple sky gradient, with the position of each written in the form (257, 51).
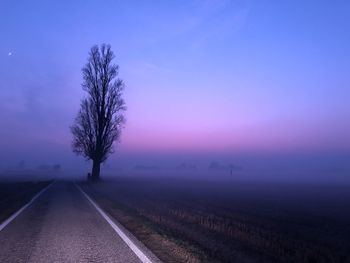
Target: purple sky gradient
(219, 78)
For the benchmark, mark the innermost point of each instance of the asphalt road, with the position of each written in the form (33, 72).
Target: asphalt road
(62, 226)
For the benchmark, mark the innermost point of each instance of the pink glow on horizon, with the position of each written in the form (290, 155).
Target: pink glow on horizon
(269, 138)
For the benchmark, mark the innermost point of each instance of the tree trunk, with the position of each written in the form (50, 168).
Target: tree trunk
(95, 176)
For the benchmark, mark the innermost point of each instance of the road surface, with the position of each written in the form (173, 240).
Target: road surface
(62, 226)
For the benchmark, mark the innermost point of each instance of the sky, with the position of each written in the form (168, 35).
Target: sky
(234, 81)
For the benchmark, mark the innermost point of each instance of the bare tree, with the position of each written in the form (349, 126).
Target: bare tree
(100, 119)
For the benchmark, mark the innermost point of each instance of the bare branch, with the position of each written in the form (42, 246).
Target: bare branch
(101, 117)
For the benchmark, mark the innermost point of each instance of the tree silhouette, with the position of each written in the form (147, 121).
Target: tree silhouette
(101, 116)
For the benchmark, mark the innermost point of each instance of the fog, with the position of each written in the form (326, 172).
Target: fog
(239, 167)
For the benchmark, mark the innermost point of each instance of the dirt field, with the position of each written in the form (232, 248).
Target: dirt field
(13, 195)
(192, 221)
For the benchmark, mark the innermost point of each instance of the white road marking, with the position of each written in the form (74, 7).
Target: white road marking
(123, 236)
(13, 216)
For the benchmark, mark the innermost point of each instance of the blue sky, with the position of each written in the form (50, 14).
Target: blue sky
(202, 77)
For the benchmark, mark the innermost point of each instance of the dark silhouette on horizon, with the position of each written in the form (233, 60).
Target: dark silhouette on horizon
(100, 119)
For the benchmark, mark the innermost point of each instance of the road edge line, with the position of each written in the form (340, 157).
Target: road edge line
(18, 212)
(138, 252)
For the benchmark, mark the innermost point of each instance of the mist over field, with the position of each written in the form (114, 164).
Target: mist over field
(210, 130)
(216, 167)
